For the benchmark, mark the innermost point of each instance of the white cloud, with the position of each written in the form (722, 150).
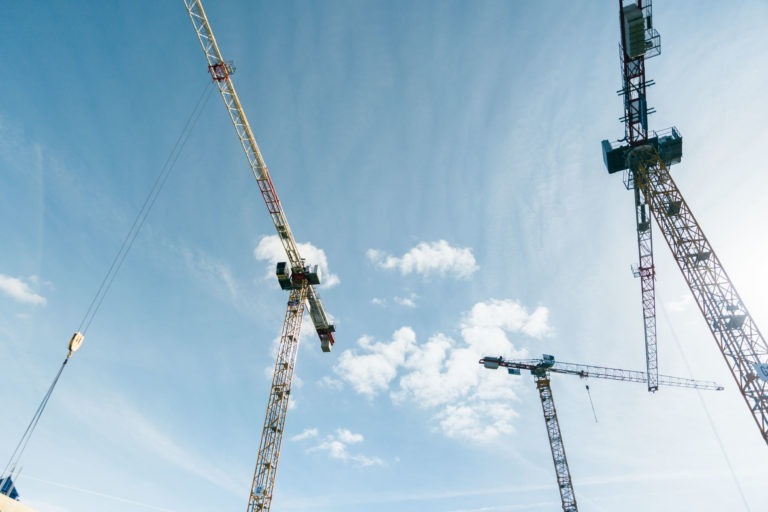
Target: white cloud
(484, 328)
(337, 447)
(331, 383)
(371, 372)
(307, 434)
(216, 276)
(270, 249)
(443, 375)
(408, 302)
(429, 258)
(20, 291)
(348, 437)
(479, 422)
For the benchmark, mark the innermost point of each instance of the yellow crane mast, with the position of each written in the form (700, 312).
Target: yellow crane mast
(294, 275)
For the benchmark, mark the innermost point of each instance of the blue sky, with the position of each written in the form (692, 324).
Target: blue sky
(441, 161)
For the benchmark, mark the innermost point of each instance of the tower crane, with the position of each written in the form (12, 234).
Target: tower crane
(646, 43)
(645, 158)
(295, 276)
(541, 368)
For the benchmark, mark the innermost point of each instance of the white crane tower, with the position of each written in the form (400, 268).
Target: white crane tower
(541, 368)
(294, 275)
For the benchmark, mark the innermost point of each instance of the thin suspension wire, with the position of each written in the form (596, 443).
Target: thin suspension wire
(114, 268)
(17, 453)
(141, 218)
(590, 403)
(706, 411)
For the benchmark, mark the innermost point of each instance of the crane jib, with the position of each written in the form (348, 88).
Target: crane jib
(221, 71)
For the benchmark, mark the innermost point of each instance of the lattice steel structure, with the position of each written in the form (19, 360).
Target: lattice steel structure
(638, 43)
(541, 368)
(221, 72)
(737, 336)
(277, 406)
(294, 275)
(645, 158)
(564, 483)
(646, 271)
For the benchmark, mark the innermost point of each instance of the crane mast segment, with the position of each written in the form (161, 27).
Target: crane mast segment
(639, 40)
(221, 72)
(540, 369)
(646, 161)
(260, 498)
(646, 271)
(564, 483)
(294, 275)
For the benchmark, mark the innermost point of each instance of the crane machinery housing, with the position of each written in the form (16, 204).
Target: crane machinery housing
(295, 276)
(645, 157)
(541, 368)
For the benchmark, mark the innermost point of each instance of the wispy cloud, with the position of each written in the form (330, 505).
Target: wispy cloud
(432, 496)
(113, 413)
(270, 249)
(337, 445)
(408, 302)
(19, 290)
(428, 258)
(331, 383)
(215, 274)
(55, 508)
(442, 374)
(307, 434)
